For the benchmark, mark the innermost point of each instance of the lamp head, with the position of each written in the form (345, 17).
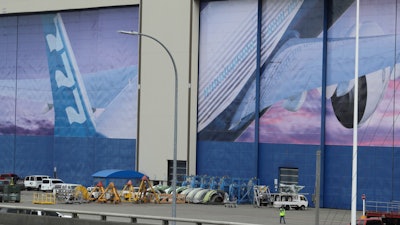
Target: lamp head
(128, 32)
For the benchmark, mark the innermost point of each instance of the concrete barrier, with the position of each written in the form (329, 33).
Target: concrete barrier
(16, 215)
(22, 219)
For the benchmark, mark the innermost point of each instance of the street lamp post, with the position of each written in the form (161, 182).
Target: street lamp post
(174, 176)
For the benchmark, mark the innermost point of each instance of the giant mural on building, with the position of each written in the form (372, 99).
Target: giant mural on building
(292, 67)
(69, 74)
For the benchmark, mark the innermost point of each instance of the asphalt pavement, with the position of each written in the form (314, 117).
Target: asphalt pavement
(244, 213)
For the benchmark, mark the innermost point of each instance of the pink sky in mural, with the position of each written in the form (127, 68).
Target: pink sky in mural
(278, 125)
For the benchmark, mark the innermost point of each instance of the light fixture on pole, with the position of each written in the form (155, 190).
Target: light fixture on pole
(174, 176)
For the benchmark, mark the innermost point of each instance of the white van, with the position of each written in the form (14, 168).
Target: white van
(34, 181)
(290, 201)
(49, 184)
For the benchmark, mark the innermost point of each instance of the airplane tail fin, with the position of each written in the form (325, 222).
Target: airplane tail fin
(73, 115)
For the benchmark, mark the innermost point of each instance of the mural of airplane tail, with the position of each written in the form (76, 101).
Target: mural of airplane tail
(73, 115)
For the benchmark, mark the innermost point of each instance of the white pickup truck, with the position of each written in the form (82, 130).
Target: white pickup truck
(290, 201)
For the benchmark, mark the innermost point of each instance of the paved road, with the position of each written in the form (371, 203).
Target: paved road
(242, 213)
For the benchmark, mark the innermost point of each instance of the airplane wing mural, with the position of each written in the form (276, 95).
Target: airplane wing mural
(99, 102)
(297, 75)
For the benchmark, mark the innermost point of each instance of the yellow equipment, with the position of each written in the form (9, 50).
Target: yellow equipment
(110, 194)
(128, 192)
(44, 198)
(81, 194)
(95, 193)
(146, 193)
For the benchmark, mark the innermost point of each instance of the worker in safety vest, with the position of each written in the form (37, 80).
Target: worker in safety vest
(282, 214)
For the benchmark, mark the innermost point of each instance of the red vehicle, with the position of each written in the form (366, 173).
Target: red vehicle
(388, 212)
(370, 221)
(388, 218)
(9, 177)
(13, 179)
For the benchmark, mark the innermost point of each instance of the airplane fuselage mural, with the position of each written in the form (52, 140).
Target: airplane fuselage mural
(291, 72)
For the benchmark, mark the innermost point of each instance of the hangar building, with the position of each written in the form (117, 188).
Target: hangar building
(260, 87)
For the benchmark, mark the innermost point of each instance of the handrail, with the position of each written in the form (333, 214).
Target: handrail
(379, 206)
(133, 218)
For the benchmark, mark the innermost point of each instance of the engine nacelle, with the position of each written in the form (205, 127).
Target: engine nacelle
(371, 89)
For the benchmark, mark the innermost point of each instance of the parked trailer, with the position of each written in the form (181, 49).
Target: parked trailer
(390, 218)
(389, 212)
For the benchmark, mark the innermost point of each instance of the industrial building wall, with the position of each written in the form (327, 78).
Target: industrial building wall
(260, 104)
(69, 92)
(175, 24)
(76, 151)
(276, 82)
